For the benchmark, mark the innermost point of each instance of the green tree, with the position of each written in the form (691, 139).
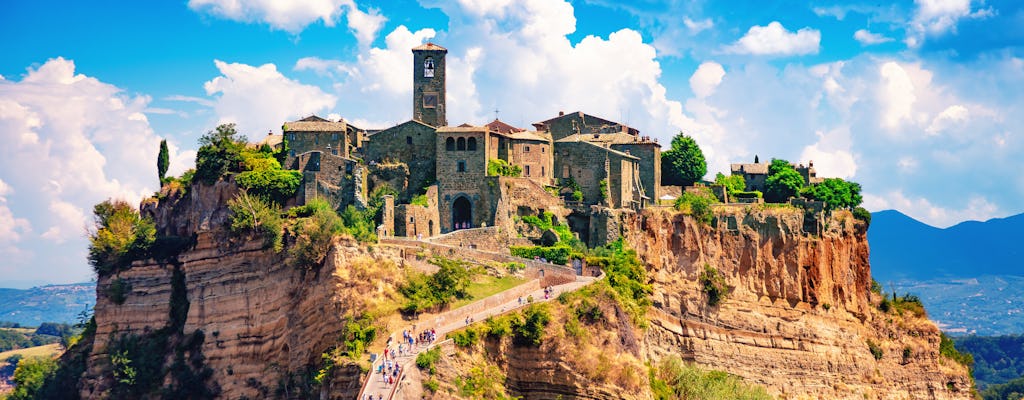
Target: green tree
(30, 376)
(120, 235)
(254, 214)
(163, 160)
(220, 152)
(835, 192)
(732, 183)
(783, 182)
(684, 163)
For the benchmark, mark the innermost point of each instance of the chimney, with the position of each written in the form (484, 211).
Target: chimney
(561, 113)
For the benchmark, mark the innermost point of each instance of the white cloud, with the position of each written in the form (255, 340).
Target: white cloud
(294, 15)
(938, 17)
(831, 154)
(977, 208)
(707, 77)
(774, 39)
(698, 26)
(953, 115)
(897, 94)
(867, 38)
(259, 99)
(70, 142)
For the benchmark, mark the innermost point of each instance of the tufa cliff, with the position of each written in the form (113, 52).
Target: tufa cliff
(228, 318)
(221, 316)
(799, 320)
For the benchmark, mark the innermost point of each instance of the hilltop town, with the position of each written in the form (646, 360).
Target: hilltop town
(440, 178)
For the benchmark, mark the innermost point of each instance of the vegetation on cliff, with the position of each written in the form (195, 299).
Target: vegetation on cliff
(119, 236)
(434, 292)
(671, 378)
(683, 163)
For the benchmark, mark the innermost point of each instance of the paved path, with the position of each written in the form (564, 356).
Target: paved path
(375, 387)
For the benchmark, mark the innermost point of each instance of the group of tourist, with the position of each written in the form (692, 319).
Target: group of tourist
(463, 225)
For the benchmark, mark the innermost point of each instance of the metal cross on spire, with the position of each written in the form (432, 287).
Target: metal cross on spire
(495, 113)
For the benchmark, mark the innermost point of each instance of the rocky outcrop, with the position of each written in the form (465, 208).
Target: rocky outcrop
(266, 323)
(799, 316)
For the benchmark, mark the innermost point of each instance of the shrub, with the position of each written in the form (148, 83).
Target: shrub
(431, 385)
(420, 200)
(948, 349)
(625, 275)
(603, 187)
(276, 185)
(220, 152)
(498, 167)
(436, 291)
(529, 331)
(119, 236)
(314, 234)
(253, 214)
(697, 205)
(118, 290)
(29, 377)
(465, 338)
(557, 254)
(498, 327)
(426, 360)
(862, 214)
(671, 378)
(713, 283)
(875, 350)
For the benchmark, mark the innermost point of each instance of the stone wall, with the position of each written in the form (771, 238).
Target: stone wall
(410, 143)
(589, 164)
(649, 154)
(333, 143)
(534, 157)
(327, 176)
(415, 220)
(493, 239)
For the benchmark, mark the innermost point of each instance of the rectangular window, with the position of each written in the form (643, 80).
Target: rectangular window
(334, 152)
(565, 171)
(526, 149)
(291, 136)
(542, 171)
(461, 166)
(334, 137)
(527, 170)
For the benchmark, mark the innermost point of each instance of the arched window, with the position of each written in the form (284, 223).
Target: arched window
(428, 67)
(449, 144)
(460, 144)
(471, 144)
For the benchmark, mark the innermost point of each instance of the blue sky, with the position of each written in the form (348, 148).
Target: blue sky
(917, 100)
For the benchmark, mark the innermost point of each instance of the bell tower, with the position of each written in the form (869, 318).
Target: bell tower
(428, 86)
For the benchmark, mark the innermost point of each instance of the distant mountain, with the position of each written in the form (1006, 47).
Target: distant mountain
(51, 303)
(903, 248)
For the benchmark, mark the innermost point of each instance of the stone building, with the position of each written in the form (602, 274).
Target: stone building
(429, 96)
(411, 144)
(756, 173)
(336, 138)
(424, 157)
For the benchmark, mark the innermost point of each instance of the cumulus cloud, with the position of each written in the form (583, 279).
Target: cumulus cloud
(774, 39)
(259, 99)
(951, 116)
(70, 142)
(293, 15)
(937, 17)
(867, 38)
(707, 77)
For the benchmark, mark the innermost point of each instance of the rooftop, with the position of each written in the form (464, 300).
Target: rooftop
(429, 46)
(314, 123)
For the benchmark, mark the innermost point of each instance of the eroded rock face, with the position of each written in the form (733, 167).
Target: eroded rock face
(264, 321)
(798, 318)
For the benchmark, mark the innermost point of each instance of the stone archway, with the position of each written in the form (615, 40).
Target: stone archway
(462, 213)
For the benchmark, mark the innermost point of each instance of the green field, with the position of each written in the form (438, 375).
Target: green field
(48, 350)
(487, 285)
